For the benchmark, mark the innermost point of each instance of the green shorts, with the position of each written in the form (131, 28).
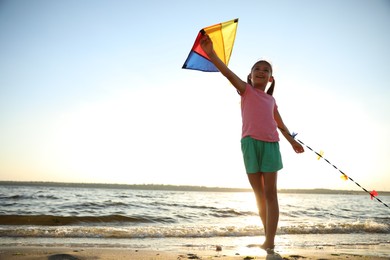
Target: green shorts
(260, 156)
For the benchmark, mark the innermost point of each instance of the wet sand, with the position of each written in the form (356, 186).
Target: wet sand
(70, 253)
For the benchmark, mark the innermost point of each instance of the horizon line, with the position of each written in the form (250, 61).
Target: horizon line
(172, 187)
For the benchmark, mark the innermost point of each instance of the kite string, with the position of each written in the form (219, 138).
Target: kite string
(372, 194)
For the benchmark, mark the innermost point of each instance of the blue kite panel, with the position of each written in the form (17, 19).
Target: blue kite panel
(198, 62)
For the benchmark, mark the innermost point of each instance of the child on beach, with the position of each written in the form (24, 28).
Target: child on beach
(260, 139)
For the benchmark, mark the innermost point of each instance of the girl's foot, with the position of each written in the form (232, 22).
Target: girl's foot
(272, 255)
(266, 247)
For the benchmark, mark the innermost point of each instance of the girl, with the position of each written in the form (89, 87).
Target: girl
(260, 140)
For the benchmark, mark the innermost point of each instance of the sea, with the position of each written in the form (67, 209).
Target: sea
(77, 216)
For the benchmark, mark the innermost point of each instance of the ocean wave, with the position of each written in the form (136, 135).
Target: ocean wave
(226, 213)
(339, 228)
(186, 231)
(27, 197)
(51, 220)
(181, 205)
(16, 197)
(209, 210)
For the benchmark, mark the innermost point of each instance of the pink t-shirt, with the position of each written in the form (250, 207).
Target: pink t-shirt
(257, 110)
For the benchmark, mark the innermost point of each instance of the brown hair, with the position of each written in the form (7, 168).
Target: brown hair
(270, 90)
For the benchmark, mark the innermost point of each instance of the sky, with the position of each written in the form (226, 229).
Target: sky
(94, 91)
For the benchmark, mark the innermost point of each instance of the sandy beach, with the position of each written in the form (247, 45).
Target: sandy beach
(70, 253)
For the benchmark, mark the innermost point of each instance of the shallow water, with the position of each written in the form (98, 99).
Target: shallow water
(32, 215)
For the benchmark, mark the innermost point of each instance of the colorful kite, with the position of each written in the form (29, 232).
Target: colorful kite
(223, 36)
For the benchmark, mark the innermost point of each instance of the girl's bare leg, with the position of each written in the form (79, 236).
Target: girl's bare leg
(272, 205)
(257, 182)
(265, 189)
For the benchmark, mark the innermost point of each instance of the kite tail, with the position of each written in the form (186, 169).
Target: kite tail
(373, 194)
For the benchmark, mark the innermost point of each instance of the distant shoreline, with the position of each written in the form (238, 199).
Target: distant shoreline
(178, 187)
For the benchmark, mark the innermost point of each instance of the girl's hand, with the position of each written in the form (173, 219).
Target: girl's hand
(207, 45)
(298, 148)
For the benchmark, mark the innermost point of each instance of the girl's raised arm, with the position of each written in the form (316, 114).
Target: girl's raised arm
(207, 46)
